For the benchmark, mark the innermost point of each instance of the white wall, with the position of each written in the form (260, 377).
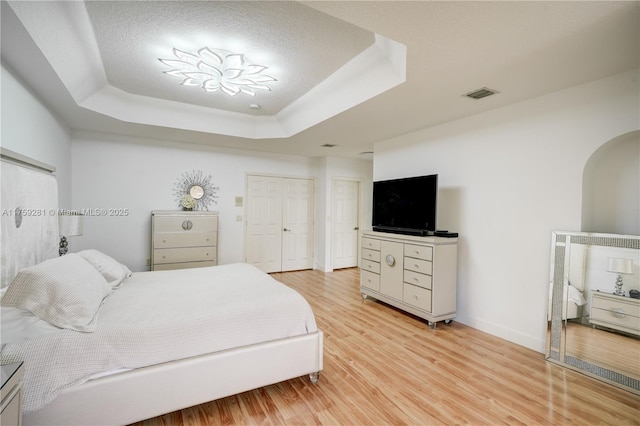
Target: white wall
(30, 128)
(139, 175)
(507, 178)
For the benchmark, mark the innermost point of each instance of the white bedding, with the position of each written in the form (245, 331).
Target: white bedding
(160, 316)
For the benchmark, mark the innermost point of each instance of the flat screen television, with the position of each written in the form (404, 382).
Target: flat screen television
(405, 206)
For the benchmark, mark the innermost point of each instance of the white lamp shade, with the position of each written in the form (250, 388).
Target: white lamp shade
(620, 266)
(70, 225)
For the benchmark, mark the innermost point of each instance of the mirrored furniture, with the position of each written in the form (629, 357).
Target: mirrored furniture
(593, 322)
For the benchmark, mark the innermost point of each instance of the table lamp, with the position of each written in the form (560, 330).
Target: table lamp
(620, 266)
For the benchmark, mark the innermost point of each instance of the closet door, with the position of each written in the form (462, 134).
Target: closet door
(264, 223)
(280, 223)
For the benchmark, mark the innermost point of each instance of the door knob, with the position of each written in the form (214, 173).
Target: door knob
(356, 228)
(286, 229)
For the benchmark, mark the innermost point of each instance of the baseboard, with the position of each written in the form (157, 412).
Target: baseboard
(530, 342)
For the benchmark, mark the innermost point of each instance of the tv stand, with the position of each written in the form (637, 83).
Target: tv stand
(413, 273)
(403, 231)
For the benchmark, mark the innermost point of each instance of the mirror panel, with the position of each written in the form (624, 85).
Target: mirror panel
(590, 328)
(196, 191)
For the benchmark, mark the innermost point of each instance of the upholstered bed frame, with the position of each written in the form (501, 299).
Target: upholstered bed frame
(143, 393)
(138, 394)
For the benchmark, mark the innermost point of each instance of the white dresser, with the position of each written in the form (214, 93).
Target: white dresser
(415, 274)
(616, 312)
(183, 239)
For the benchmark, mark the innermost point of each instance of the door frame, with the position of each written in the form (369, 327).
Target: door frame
(359, 215)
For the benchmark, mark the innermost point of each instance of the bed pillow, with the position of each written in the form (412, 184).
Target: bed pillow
(112, 271)
(66, 291)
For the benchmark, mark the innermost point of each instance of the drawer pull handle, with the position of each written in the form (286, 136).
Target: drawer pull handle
(417, 266)
(187, 225)
(618, 313)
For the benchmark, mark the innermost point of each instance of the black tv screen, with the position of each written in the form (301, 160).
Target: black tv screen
(405, 205)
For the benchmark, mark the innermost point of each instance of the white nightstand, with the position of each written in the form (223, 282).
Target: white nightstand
(11, 392)
(617, 312)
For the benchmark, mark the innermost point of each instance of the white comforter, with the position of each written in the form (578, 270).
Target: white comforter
(162, 316)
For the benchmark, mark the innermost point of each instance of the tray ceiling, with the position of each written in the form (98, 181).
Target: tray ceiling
(348, 73)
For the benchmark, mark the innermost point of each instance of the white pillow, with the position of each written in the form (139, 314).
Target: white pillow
(112, 271)
(66, 291)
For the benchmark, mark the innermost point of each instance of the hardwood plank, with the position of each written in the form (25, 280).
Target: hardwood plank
(383, 366)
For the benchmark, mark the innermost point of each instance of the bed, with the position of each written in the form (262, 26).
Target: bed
(157, 341)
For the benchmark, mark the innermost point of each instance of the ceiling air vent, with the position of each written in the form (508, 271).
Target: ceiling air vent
(481, 93)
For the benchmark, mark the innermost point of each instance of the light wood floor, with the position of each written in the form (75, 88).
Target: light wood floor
(617, 352)
(382, 366)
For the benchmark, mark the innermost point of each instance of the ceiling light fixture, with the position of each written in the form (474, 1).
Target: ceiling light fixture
(218, 70)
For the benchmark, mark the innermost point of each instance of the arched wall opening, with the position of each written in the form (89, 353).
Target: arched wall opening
(611, 187)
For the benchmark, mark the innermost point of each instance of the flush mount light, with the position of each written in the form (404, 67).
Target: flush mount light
(218, 70)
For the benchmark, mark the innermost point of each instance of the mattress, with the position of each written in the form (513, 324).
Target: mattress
(157, 317)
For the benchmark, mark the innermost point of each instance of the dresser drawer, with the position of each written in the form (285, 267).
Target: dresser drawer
(187, 254)
(417, 265)
(185, 223)
(416, 278)
(370, 280)
(417, 296)
(370, 266)
(621, 305)
(370, 243)
(615, 319)
(182, 265)
(184, 239)
(418, 252)
(368, 254)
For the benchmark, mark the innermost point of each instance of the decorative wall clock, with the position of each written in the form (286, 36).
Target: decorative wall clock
(194, 191)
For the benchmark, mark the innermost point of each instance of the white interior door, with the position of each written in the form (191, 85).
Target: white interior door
(298, 224)
(264, 223)
(346, 195)
(280, 223)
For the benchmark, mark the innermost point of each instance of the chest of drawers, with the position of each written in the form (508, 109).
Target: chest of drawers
(415, 274)
(616, 312)
(183, 239)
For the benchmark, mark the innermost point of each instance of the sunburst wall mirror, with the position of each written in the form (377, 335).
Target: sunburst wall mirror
(194, 191)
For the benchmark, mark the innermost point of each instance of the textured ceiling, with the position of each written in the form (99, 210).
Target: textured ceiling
(296, 42)
(522, 49)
